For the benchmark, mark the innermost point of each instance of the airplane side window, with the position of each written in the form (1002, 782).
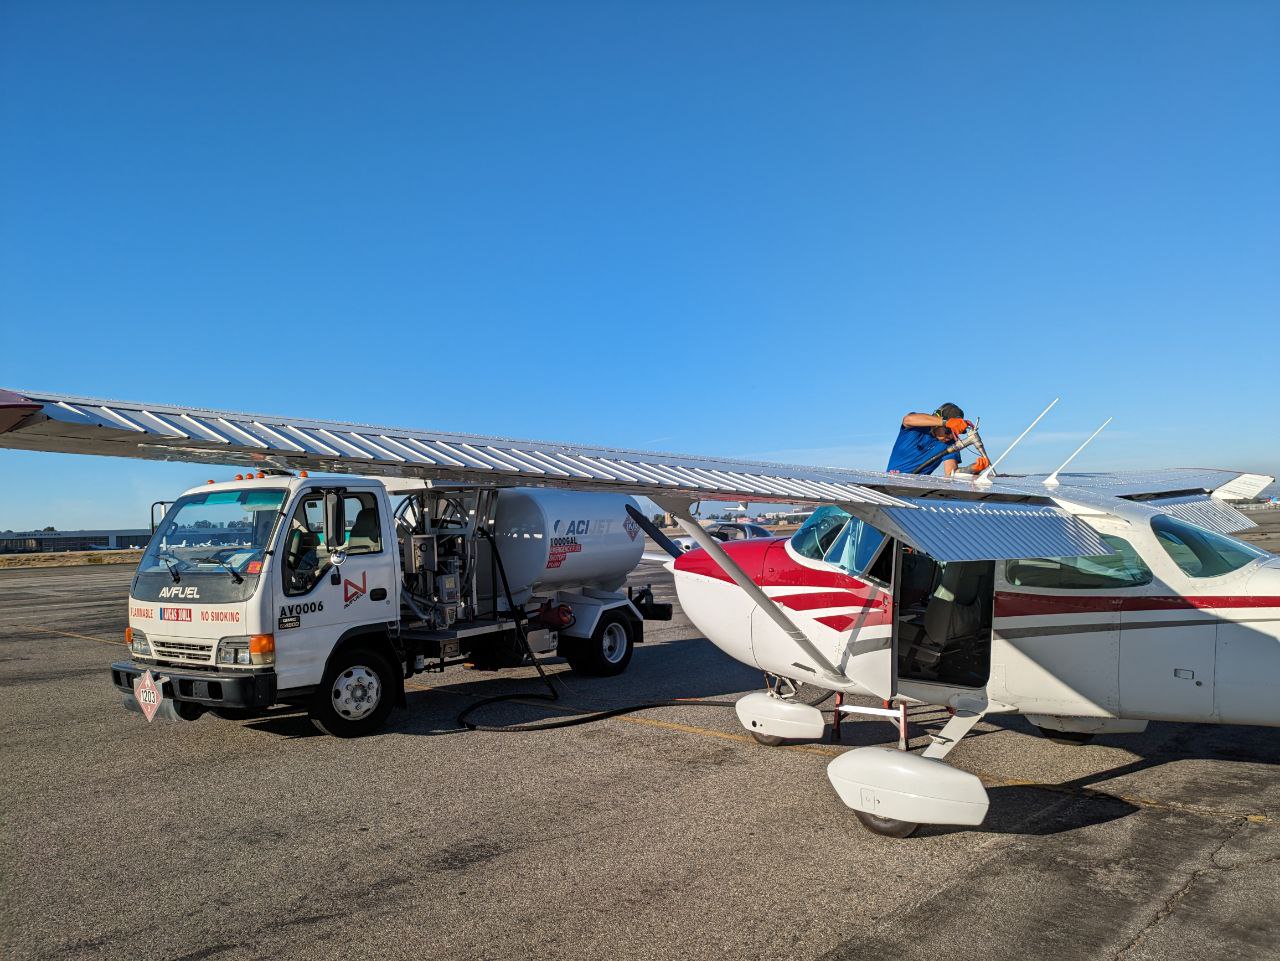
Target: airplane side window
(819, 532)
(1124, 568)
(1199, 552)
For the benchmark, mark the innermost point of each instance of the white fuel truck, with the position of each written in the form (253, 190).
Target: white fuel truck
(330, 592)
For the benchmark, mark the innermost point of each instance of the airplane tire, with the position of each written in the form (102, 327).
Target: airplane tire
(1071, 738)
(887, 827)
(768, 740)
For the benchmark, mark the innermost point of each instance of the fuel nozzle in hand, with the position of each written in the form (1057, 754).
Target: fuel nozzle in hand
(971, 438)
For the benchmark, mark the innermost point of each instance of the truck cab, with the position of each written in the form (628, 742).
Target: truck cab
(329, 592)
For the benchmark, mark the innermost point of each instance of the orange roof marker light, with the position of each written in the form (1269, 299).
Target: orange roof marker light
(261, 475)
(303, 473)
(239, 477)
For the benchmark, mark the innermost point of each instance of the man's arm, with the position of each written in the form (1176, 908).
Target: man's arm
(949, 466)
(923, 420)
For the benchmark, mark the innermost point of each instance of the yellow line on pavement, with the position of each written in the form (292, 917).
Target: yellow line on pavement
(49, 630)
(829, 750)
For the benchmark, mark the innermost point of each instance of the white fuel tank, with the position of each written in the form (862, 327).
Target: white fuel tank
(563, 540)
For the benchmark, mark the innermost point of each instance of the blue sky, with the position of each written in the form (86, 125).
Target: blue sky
(755, 229)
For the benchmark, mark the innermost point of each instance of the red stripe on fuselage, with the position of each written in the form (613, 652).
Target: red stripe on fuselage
(1010, 604)
(767, 563)
(838, 622)
(819, 599)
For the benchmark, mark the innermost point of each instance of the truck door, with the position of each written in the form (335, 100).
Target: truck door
(318, 602)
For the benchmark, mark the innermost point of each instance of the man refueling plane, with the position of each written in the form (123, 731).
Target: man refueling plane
(1088, 602)
(926, 440)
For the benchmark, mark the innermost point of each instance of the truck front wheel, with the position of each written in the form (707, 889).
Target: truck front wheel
(356, 695)
(606, 652)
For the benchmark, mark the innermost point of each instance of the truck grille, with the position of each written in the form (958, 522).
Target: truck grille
(183, 651)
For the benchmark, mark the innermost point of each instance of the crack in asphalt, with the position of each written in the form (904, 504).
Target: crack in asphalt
(1170, 903)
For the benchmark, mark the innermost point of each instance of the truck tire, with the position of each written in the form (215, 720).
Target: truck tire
(606, 652)
(356, 694)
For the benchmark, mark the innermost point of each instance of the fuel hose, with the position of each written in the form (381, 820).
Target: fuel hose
(464, 719)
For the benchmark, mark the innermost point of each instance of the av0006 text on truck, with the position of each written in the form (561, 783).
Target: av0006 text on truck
(329, 593)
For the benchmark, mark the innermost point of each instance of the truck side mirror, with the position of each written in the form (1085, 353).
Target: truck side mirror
(335, 526)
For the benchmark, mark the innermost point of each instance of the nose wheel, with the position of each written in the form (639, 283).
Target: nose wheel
(887, 827)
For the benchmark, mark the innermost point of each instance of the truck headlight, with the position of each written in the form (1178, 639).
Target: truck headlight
(136, 641)
(259, 650)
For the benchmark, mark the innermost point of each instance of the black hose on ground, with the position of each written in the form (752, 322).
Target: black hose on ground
(553, 694)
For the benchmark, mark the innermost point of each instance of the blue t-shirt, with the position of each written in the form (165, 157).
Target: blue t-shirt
(914, 446)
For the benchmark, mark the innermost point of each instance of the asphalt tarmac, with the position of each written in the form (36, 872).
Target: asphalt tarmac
(669, 834)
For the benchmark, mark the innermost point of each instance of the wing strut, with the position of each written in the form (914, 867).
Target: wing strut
(680, 511)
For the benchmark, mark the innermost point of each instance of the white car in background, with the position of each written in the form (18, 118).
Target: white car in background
(727, 532)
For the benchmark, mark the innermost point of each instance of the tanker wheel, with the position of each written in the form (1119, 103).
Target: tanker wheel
(768, 740)
(606, 652)
(887, 827)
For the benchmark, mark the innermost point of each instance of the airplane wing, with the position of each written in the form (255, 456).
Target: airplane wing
(1225, 485)
(950, 518)
(1198, 495)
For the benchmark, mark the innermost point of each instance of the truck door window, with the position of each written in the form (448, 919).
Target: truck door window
(306, 556)
(306, 553)
(364, 531)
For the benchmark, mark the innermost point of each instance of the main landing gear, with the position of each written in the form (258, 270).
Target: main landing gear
(891, 791)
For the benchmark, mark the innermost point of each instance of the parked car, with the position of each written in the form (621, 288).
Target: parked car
(726, 532)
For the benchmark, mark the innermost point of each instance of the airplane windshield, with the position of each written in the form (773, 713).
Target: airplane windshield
(819, 532)
(832, 535)
(856, 546)
(219, 532)
(1199, 552)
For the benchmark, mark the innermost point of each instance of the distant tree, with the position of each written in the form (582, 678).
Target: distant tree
(49, 529)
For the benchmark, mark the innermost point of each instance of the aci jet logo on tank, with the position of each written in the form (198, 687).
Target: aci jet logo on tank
(564, 540)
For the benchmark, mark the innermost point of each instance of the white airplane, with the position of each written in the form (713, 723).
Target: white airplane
(1090, 603)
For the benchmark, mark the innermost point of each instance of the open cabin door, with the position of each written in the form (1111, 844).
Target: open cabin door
(942, 619)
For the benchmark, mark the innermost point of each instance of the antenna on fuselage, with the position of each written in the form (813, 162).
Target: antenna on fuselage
(1052, 479)
(985, 476)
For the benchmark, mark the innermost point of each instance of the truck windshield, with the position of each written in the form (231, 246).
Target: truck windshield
(215, 533)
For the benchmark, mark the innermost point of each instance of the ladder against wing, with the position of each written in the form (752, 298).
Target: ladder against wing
(1089, 602)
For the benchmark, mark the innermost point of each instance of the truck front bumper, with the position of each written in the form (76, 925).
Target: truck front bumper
(248, 689)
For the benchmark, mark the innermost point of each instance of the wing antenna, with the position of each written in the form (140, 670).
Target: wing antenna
(985, 476)
(1052, 479)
